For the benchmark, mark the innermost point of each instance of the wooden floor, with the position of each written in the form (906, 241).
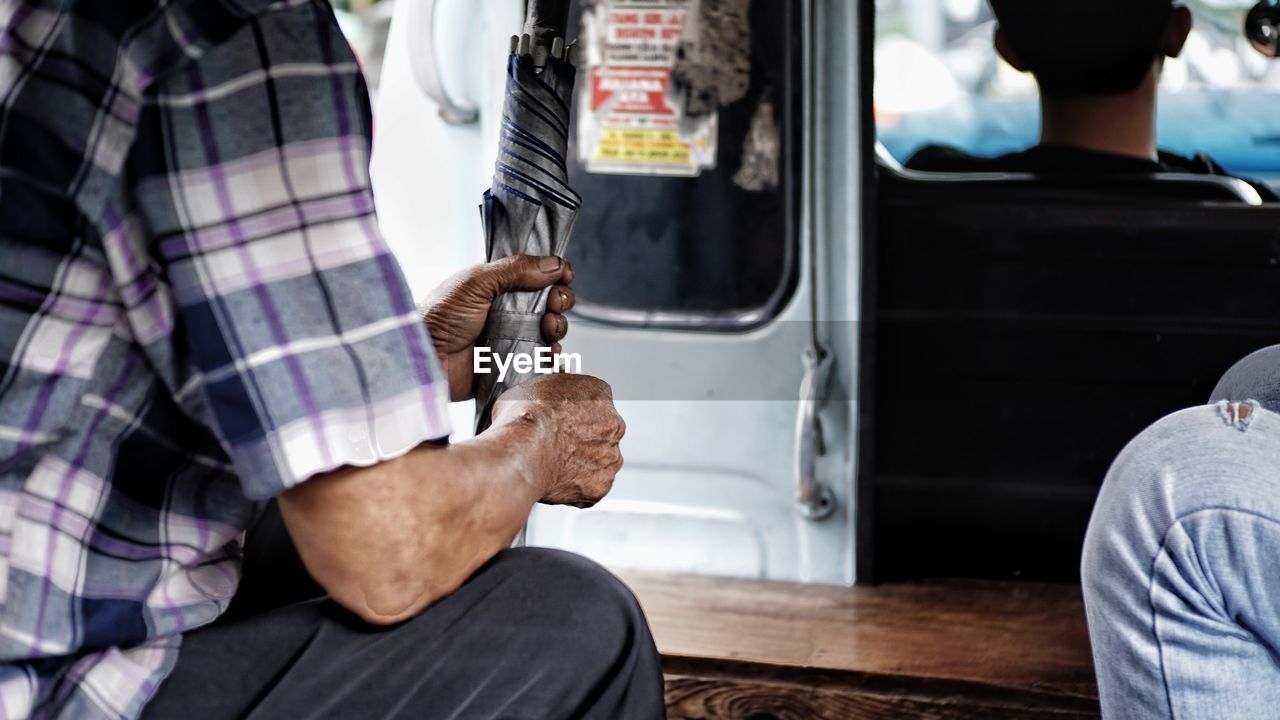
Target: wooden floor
(756, 650)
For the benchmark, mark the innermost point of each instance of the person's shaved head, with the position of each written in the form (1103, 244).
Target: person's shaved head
(1084, 47)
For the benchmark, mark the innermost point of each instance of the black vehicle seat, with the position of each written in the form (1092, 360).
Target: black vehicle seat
(1020, 330)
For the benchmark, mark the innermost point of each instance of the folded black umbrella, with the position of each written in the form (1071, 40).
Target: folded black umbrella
(530, 208)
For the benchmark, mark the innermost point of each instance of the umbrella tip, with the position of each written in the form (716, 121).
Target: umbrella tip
(571, 53)
(557, 48)
(515, 44)
(525, 41)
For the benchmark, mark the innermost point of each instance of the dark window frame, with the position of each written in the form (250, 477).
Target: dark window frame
(796, 169)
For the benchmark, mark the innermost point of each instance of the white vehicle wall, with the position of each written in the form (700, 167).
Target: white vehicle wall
(709, 484)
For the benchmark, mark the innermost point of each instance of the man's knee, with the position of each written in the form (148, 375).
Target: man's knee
(1208, 456)
(555, 634)
(573, 578)
(575, 600)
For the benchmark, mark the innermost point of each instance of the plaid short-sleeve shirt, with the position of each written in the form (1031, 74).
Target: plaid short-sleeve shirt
(197, 312)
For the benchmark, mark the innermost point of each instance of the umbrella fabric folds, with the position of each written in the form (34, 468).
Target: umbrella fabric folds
(530, 208)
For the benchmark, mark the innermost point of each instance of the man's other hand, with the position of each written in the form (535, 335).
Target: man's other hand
(457, 311)
(389, 540)
(580, 429)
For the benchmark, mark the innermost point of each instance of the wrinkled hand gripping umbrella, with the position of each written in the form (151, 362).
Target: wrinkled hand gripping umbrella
(530, 208)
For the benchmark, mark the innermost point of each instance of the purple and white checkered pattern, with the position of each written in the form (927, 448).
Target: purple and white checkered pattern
(197, 312)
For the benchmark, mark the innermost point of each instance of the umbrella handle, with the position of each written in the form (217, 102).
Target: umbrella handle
(547, 20)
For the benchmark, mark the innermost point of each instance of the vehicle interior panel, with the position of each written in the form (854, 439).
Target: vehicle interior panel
(1025, 330)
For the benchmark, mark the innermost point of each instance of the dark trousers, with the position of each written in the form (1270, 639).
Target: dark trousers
(533, 634)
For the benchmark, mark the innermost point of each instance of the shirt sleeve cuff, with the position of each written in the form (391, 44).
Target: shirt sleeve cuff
(360, 436)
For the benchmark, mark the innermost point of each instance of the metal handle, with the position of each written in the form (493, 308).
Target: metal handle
(423, 54)
(546, 21)
(814, 500)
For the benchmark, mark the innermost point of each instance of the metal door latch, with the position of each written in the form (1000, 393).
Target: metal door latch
(814, 500)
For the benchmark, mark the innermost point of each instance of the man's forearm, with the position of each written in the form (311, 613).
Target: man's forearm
(386, 542)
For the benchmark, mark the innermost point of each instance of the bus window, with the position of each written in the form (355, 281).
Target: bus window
(715, 250)
(939, 81)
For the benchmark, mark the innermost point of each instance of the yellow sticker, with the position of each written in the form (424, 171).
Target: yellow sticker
(642, 145)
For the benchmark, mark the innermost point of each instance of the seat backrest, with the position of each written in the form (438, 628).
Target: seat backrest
(1019, 332)
(1162, 188)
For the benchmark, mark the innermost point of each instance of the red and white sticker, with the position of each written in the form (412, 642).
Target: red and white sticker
(635, 90)
(627, 123)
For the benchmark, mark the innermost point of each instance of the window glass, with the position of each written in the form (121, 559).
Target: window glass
(715, 248)
(939, 80)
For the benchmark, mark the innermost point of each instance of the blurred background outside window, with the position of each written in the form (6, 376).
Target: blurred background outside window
(939, 80)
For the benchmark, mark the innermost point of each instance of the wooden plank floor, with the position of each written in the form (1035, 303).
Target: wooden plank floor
(756, 650)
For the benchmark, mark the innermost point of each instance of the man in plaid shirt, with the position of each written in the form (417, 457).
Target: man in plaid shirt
(197, 316)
